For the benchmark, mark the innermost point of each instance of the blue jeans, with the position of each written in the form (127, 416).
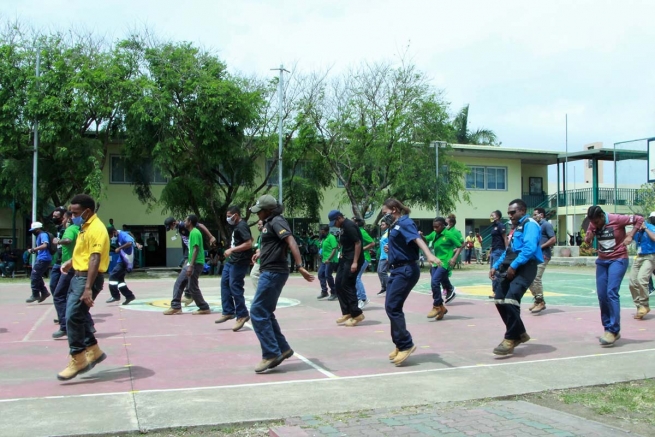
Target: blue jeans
(193, 288)
(232, 283)
(262, 314)
(325, 277)
(494, 255)
(117, 285)
(400, 284)
(55, 273)
(60, 295)
(78, 325)
(383, 274)
(361, 291)
(7, 268)
(609, 274)
(36, 279)
(439, 278)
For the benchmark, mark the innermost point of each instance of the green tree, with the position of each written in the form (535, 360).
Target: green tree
(644, 200)
(463, 135)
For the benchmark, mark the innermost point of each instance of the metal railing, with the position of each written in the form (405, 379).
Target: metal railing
(606, 196)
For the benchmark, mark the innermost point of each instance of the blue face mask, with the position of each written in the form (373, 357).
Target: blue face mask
(79, 220)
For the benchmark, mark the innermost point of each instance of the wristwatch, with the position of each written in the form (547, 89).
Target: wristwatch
(298, 266)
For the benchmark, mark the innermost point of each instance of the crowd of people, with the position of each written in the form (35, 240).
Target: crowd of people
(77, 257)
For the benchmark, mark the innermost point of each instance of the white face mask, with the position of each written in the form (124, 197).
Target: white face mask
(231, 220)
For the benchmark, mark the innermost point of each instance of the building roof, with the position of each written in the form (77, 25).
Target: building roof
(527, 156)
(604, 155)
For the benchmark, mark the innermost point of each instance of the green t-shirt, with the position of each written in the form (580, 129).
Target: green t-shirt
(455, 232)
(367, 240)
(329, 244)
(70, 233)
(444, 247)
(430, 238)
(258, 245)
(195, 239)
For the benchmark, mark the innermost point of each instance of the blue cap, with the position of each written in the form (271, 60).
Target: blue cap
(333, 216)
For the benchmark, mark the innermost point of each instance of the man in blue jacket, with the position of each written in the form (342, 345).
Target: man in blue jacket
(513, 273)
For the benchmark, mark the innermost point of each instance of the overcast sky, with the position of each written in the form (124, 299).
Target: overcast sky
(521, 65)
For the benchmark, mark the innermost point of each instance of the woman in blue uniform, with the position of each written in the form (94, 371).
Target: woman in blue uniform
(403, 250)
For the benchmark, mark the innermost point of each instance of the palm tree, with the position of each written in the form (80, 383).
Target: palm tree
(464, 136)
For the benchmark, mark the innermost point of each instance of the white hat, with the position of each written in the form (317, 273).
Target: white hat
(36, 225)
(652, 214)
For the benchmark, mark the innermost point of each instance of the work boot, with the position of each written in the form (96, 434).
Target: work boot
(353, 321)
(343, 319)
(94, 356)
(393, 354)
(323, 295)
(403, 355)
(442, 311)
(534, 304)
(506, 347)
(641, 312)
(434, 312)
(77, 364)
(44, 296)
(608, 339)
(524, 338)
(285, 355)
(240, 322)
(266, 364)
(201, 312)
(539, 307)
(171, 311)
(224, 318)
(58, 334)
(31, 299)
(187, 300)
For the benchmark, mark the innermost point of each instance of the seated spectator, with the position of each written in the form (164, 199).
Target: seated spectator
(7, 262)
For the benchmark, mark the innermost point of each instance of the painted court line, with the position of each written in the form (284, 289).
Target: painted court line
(377, 375)
(38, 323)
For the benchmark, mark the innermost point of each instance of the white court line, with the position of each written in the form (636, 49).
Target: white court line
(37, 324)
(376, 375)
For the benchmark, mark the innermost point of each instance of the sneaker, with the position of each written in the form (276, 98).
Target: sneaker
(524, 338)
(224, 318)
(56, 321)
(240, 322)
(112, 299)
(323, 295)
(285, 355)
(434, 312)
(201, 312)
(31, 299)
(360, 304)
(266, 364)
(539, 307)
(171, 311)
(442, 311)
(364, 303)
(381, 292)
(506, 347)
(59, 334)
(393, 354)
(332, 297)
(450, 296)
(403, 355)
(128, 300)
(343, 319)
(641, 312)
(353, 321)
(187, 300)
(608, 339)
(44, 297)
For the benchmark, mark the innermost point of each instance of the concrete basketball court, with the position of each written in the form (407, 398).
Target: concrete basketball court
(184, 370)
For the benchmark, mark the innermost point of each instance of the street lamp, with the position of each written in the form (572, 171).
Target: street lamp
(437, 145)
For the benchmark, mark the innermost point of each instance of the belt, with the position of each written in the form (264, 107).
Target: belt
(81, 274)
(402, 263)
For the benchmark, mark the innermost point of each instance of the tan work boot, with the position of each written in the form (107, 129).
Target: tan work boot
(433, 312)
(240, 322)
(608, 339)
(187, 300)
(77, 364)
(353, 321)
(403, 355)
(392, 355)
(266, 363)
(442, 311)
(171, 311)
(641, 312)
(200, 312)
(506, 347)
(524, 338)
(94, 356)
(343, 319)
(539, 307)
(224, 318)
(534, 304)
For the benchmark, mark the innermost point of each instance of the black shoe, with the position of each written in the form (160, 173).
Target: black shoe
(93, 330)
(44, 297)
(450, 296)
(112, 299)
(31, 299)
(56, 321)
(59, 334)
(322, 296)
(128, 300)
(381, 292)
(332, 297)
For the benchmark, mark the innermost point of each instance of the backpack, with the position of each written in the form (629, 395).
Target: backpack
(52, 247)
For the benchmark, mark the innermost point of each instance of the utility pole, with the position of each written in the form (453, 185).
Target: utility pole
(36, 149)
(280, 92)
(437, 144)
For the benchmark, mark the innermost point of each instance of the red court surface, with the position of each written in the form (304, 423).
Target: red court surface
(149, 351)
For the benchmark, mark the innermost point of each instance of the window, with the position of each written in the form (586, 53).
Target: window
(486, 178)
(120, 175)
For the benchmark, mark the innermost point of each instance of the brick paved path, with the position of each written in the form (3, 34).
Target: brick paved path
(497, 418)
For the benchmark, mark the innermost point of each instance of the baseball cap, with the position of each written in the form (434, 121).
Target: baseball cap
(168, 222)
(265, 202)
(333, 216)
(36, 225)
(652, 214)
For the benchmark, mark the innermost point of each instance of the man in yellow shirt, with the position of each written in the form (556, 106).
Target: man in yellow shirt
(90, 261)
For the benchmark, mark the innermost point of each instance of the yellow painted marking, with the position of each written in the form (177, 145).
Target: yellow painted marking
(123, 330)
(425, 347)
(470, 325)
(642, 329)
(128, 365)
(127, 344)
(16, 323)
(133, 391)
(485, 290)
(379, 331)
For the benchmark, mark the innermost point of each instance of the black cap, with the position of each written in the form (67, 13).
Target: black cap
(168, 222)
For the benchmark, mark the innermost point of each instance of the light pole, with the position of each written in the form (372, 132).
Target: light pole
(280, 92)
(437, 145)
(36, 149)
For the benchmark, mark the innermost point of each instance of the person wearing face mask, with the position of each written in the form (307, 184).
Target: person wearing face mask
(90, 262)
(403, 253)
(57, 218)
(643, 266)
(512, 274)
(498, 240)
(235, 269)
(41, 264)
(117, 285)
(328, 257)
(446, 248)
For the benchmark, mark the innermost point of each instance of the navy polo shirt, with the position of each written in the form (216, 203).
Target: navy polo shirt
(402, 244)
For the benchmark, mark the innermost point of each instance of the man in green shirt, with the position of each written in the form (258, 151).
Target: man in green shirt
(328, 254)
(446, 247)
(190, 272)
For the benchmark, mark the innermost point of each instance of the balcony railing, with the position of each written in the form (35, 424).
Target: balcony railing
(606, 196)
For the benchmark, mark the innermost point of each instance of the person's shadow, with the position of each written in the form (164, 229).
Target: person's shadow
(116, 374)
